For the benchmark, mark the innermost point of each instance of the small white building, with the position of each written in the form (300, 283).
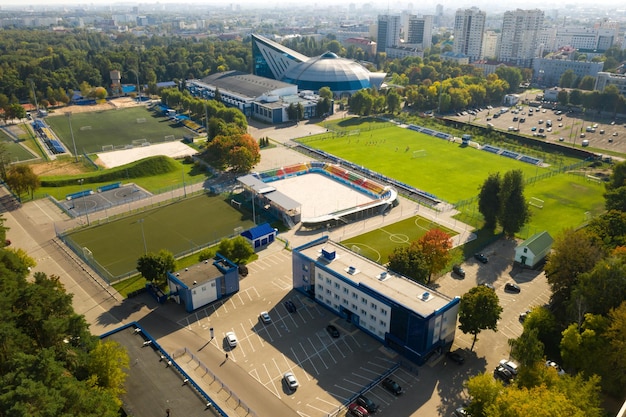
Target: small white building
(533, 250)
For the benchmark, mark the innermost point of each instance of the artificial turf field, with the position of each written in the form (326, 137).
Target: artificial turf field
(93, 130)
(178, 227)
(378, 244)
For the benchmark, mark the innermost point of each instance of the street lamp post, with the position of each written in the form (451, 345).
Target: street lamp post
(80, 182)
(69, 120)
(143, 236)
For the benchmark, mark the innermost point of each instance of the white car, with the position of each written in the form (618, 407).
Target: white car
(265, 317)
(231, 338)
(556, 366)
(291, 381)
(510, 365)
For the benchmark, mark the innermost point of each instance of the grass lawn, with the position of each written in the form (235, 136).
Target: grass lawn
(566, 199)
(378, 244)
(112, 127)
(448, 170)
(16, 152)
(177, 227)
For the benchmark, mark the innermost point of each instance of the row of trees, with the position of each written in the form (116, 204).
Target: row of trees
(501, 201)
(50, 365)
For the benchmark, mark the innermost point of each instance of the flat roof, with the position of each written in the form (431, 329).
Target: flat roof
(152, 387)
(198, 273)
(244, 84)
(368, 273)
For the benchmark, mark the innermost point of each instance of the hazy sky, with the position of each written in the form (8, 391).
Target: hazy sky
(383, 4)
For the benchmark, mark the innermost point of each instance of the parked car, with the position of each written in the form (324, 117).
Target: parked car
(503, 374)
(356, 410)
(366, 403)
(480, 257)
(332, 331)
(456, 357)
(290, 306)
(461, 412)
(265, 317)
(522, 316)
(291, 381)
(511, 287)
(458, 269)
(555, 366)
(510, 365)
(488, 285)
(392, 386)
(231, 338)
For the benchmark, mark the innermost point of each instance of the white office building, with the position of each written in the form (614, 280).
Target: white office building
(388, 32)
(419, 32)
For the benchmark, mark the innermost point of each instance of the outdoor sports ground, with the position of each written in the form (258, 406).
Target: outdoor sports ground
(114, 129)
(16, 152)
(454, 172)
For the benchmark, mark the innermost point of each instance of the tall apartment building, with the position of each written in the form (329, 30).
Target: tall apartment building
(491, 41)
(520, 34)
(419, 32)
(388, 32)
(469, 25)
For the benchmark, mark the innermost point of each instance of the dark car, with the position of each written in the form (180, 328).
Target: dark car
(510, 287)
(366, 403)
(455, 356)
(332, 331)
(503, 374)
(392, 386)
(458, 269)
(290, 306)
(522, 316)
(480, 257)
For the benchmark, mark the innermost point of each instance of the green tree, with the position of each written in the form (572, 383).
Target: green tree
(155, 266)
(108, 362)
(489, 200)
(21, 179)
(514, 212)
(601, 289)
(562, 97)
(512, 75)
(573, 253)
(325, 92)
(587, 83)
(567, 79)
(615, 380)
(480, 310)
(528, 350)
(410, 262)
(483, 389)
(576, 97)
(393, 101)
(237, 249)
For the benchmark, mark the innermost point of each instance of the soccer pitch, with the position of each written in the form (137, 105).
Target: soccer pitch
(446, 169)
(178, 227)
(112, 127)
(378, 244)
(16, 152)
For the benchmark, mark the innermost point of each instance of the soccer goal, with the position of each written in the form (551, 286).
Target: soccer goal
(356, 249)
(170, 138)
(141, 120)
(536, 202)
(139, 142)
(87, 253)
(418, 154)
(85, 128)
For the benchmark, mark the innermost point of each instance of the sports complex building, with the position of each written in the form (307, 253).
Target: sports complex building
(317, 194)
(407, 317)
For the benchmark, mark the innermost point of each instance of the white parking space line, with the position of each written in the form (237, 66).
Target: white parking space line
(257, 333)
(246, 338)
(349, 390)
(254, 374)
(307, 358)
(318, 409)
(366, 378)
(271, 382)
(318, 352)
(376, 365)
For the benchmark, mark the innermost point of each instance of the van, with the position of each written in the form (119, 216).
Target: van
(590, 129)
(585, 142)
(549, 123)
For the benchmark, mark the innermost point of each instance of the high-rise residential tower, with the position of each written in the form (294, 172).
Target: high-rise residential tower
(469, 25)
(520, 36)
(388, 31)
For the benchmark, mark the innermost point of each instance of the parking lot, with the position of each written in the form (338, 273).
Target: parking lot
(330, 370)
(567, 128)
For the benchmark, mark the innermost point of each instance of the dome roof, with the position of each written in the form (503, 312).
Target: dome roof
(329, 70)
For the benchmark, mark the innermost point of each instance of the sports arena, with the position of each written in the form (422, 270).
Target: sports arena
(317, 194)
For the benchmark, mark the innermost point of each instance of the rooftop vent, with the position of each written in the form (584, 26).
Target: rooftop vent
(329, 255)
(425, 296)
(383, 276)
(351, 270)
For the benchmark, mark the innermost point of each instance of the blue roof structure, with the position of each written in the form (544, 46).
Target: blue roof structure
(258, 231)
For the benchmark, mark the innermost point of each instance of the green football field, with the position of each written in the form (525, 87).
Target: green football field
(94, 130)
(16, 152)
(446, 169)
(378, 244)
(178, 227)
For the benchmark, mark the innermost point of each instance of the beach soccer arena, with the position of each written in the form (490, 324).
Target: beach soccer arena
(317, 194)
